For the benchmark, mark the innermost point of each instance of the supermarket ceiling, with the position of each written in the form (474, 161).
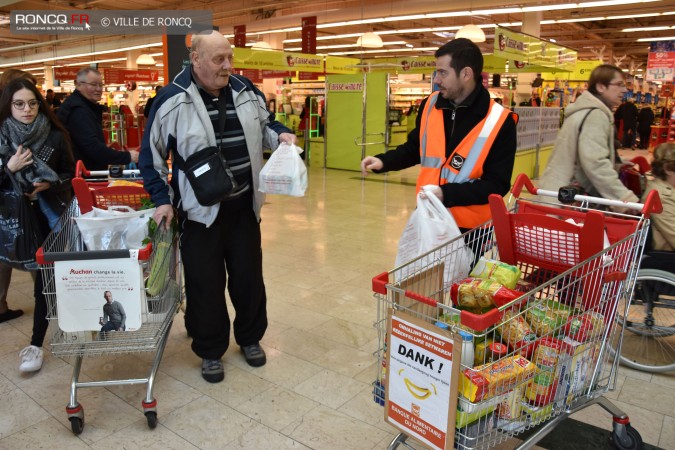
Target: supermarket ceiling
(617, 30)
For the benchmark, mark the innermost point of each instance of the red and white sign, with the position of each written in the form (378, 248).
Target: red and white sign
(661, 66)
(66, 73)
(121, 76)
(419, 383)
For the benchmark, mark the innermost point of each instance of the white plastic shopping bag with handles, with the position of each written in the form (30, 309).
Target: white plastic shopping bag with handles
(430, 226)
(285, 172)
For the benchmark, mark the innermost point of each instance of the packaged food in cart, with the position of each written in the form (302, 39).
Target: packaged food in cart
(499, 377)
(584, 327)
(547, 316)
(479, 295)
(516, 332)
(490, 269)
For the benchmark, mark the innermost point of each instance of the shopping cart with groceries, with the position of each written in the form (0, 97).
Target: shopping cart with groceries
(146, 280)
(521, 343)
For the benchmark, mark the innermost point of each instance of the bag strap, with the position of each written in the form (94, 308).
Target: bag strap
(15, 184)
(178, 160)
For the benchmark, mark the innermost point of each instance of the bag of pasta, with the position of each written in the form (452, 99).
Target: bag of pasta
(478, 295)
(516, 332)
(547, 316)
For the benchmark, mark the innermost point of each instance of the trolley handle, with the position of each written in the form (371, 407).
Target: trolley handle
(82, 172)
(652, 204)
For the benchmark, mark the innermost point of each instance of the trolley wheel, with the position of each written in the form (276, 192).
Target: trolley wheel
(76, 424)
(152, 418)
(626, 438)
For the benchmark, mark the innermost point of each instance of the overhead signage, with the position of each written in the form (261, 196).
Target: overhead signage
(582, 71)
(661, 66)
(246, 58)
(529, 50)
(121, 76)
(240, 36)
(420, 64)
(66, 73)
(341, 64)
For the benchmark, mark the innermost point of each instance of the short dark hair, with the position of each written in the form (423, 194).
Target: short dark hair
(603, 74)
(464, 53)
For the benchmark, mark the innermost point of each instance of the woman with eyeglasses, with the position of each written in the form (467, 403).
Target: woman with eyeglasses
(35, 148)
(584, 154)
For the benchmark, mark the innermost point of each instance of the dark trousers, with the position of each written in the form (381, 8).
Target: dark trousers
(230, 247)
(40, 322)
(644, 139)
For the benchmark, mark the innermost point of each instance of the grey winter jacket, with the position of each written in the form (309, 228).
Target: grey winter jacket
(586, 158)
(180, 123)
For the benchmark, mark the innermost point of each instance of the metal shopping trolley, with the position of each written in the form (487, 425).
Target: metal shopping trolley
(536, 357)
(159, 260)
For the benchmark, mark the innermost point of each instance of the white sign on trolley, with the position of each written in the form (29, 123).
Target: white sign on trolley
(81, 288)
(423, 372)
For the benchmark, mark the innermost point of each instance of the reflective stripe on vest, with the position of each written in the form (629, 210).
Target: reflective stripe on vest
(436, 169)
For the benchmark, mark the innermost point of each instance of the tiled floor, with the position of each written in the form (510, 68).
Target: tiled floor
(320, 253)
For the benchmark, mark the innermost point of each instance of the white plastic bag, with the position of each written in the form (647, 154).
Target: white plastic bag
(285, 172)
(119, 227)
(430, 226)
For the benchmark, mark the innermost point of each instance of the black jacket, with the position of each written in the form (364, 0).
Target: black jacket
(61, 161)
(645, 119)
(498, 165)
(84, 120)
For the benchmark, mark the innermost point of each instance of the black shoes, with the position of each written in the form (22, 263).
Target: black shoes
(254, 354)
(212, 370)
(11, 314)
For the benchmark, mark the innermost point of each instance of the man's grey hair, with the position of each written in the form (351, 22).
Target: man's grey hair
(82, 74)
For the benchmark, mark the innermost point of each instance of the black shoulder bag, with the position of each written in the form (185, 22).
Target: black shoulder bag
(207, 170)
(20, 236)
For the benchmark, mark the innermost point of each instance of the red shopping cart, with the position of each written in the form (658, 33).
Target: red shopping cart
(158, 261)
(538, 357)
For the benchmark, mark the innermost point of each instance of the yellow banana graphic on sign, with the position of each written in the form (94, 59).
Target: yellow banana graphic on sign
(416, 391)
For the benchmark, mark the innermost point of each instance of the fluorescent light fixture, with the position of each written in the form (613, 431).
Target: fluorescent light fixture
(667, 38)
(471, 32)
(369, 40)
(261, 45)
(145, 60)
(630, 30)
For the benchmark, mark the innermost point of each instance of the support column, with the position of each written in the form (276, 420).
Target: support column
(531, 26)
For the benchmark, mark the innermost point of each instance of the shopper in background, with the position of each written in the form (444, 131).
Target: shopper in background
(221, 240)
(628, 115)
(584, 152)
(663, 170)
(28, 124)
(6, 271)
(445, 140)
(82, 115)
(51, 99)
(645, 121)
(148, 104)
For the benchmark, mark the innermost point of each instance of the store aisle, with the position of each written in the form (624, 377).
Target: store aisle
(320, 253)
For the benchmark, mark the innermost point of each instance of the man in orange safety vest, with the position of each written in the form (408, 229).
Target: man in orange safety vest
(464, 142)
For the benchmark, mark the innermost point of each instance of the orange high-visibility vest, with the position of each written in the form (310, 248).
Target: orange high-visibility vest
(465, 163)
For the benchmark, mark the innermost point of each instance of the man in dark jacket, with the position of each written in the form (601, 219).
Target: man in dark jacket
(438, 143)
(628, 114)
(82, 115)
(645, 121)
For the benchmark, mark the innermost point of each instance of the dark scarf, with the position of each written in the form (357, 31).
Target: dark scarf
(33, 137)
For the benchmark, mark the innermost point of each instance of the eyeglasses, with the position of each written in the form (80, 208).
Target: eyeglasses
(621, 84)
(94, 85)
(21, 105)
